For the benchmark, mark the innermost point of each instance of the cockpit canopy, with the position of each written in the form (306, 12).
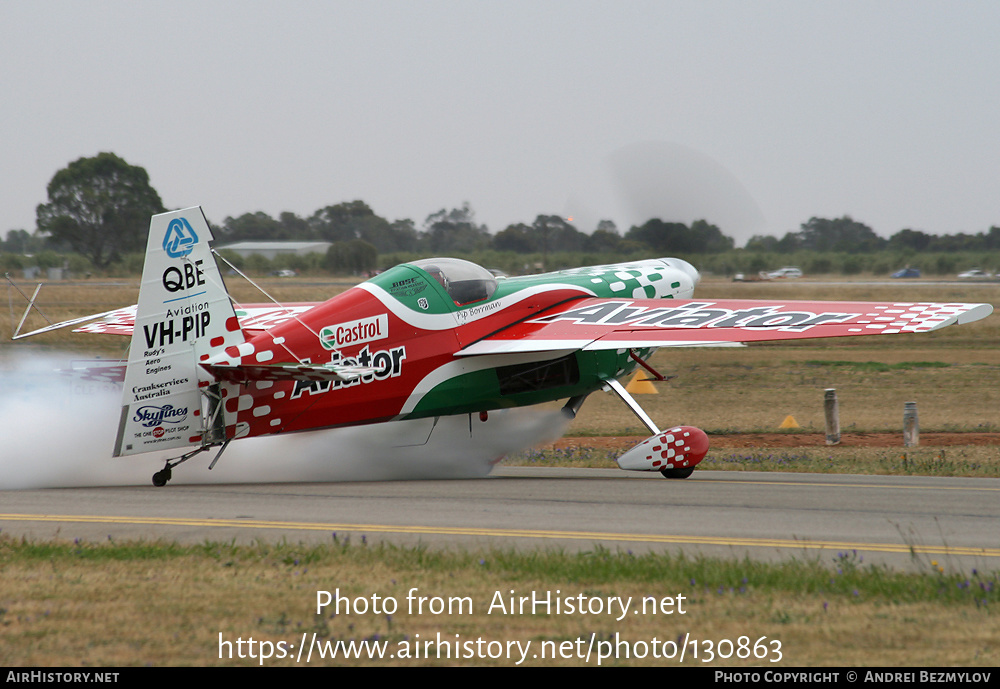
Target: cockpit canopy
(464, 281)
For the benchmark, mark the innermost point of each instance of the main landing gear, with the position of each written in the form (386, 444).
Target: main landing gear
(674, 453)
(677, 473)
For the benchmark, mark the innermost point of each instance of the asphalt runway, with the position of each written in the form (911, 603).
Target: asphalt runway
(906, 522)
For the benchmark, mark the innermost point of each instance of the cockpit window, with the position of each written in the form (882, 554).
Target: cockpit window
(464, 281)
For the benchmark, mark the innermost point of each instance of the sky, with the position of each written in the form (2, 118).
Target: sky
(755, 115)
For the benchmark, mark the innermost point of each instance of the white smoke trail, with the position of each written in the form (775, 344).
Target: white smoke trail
(58, 432)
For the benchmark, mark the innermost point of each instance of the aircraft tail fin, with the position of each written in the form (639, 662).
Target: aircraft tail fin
(184, 316)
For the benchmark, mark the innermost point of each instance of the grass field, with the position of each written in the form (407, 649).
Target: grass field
(164, 604)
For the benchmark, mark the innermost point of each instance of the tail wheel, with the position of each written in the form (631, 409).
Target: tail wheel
(160, 478)
(679, 472)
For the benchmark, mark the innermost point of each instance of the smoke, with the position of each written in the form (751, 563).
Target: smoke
(58, 430)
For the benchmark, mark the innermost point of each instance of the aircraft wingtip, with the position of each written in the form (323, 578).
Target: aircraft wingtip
(976, 313)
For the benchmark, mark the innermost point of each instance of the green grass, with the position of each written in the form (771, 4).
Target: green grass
(844, 574)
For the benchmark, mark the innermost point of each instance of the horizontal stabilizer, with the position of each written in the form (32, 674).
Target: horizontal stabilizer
(67, 324)
(252, 318)
(285, 372)
(96, 371)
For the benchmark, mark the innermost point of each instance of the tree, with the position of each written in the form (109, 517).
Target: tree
(21, 242)
(253, 226)
(351, 256)
(343, 221)
(910, 239)
(675, 237)
(455, 230)
(100, 207)
(710, 238)
(518, 238)
(840, 234)
(605, 238)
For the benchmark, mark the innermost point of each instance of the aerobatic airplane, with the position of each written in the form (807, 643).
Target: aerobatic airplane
(427, 339)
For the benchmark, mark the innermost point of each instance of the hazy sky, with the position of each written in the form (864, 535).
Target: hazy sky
(755, 115)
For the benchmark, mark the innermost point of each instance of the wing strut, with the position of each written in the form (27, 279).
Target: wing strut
(632, 404)
(27, 310)
(32, 305)
(657, 376)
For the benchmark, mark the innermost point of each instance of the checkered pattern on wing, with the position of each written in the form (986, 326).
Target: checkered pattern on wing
(907, 317)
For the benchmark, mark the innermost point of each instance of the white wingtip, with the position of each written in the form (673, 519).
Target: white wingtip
(976, 312)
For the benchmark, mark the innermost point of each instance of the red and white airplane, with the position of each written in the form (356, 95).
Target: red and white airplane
(428, 339)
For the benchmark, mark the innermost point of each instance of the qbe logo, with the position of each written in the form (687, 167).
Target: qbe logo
(179, 239)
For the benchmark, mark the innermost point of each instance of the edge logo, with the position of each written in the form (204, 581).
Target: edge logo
(179, 239)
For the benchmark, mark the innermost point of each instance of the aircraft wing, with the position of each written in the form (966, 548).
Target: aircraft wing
(594, 324)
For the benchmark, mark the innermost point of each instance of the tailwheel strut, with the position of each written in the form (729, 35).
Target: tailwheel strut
(161, 477)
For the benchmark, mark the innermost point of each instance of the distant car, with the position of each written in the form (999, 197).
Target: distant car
(286, 273)
(974, 274)
(907, 273)
(787, 272)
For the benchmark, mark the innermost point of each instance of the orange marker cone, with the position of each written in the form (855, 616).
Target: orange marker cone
(640, 385)
(789, 422)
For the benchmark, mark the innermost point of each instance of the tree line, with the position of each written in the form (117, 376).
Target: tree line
(99, 208)
(849, 236)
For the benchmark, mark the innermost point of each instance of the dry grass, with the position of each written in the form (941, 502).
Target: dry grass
(970, 461)
(754, 389)
(143, 604)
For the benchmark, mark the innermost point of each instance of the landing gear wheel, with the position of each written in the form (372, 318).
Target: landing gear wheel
(679, 472)
(160, 478)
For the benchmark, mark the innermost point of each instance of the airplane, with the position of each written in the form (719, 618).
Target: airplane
(429, 339)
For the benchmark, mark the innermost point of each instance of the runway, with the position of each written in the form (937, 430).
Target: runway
(905, 522)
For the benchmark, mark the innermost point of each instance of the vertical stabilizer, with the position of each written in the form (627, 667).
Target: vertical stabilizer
(184, 315)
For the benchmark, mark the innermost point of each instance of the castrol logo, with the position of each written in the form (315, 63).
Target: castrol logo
(355, 332)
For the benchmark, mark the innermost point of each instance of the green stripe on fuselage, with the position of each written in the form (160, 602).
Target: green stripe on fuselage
(410, 284)
(482, 390)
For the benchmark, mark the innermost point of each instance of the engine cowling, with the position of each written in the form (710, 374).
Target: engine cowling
(679, 448)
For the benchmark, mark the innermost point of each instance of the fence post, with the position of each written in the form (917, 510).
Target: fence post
(911, 425)
(832, 412)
